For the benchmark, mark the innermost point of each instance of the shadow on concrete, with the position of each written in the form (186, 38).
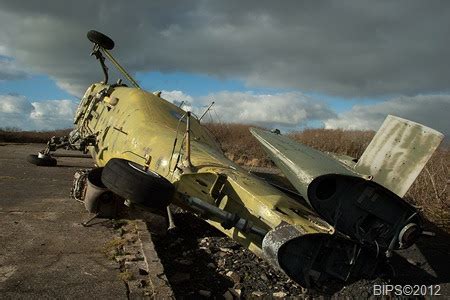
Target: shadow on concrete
(188, 266)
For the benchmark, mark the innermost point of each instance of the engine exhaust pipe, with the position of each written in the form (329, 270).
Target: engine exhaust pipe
(98, 198)
(321, 261)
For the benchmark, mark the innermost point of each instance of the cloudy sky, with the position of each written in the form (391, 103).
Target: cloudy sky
(298, 64)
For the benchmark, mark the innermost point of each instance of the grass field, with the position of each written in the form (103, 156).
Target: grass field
(429, 192)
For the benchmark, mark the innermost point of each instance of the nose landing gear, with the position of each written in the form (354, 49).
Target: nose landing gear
(42, 159)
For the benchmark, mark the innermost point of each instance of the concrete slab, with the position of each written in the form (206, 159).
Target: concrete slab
(44, 251)
(160, 285)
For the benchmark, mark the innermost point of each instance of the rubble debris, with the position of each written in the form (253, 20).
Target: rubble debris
(227, 270)
(234, 276)
(279, 295)
(204, 293)
(228, 295)
(258, 294)
(235, 292)
(142, 272)
(186, 262)
(180, 277)
(257, 279)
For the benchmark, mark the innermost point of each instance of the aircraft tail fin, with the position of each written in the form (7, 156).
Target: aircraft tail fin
(398, 152)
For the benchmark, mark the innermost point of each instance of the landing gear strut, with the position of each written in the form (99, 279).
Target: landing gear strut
(71, 142)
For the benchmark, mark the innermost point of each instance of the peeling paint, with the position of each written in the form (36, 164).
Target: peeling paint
(398, 152)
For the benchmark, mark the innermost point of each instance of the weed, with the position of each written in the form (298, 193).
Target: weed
(126, 275)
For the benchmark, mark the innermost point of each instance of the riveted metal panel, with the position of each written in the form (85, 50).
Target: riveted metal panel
(398, 152)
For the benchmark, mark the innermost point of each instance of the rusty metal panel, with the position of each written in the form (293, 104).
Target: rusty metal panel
(398, 152)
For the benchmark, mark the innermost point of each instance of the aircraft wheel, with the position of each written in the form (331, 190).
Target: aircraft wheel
(44, 160)
(100, 39)
(130, 181)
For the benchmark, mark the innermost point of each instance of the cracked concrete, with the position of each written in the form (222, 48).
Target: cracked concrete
(44, 251)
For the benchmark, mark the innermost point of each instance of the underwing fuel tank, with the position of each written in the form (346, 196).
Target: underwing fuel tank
(352, 202)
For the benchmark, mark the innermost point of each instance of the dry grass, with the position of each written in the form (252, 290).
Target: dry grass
(126, 275)
(352, 142)
(8, 135)
(239, 145)
(429, 192)
(114, 247)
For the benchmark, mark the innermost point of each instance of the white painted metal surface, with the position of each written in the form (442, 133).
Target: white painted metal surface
(398, 152)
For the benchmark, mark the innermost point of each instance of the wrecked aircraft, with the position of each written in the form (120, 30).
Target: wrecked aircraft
(151, 153)
(361, 198)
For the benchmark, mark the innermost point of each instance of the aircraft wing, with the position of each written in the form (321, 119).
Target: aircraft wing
(299, 163)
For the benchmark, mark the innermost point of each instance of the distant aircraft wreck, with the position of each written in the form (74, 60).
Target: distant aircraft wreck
(151, 153)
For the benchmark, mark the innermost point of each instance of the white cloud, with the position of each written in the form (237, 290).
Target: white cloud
(291, 109)
(178, 97)
(283, 109)
(53, 114)
(17, 112)
(14, 104)
(430, 110)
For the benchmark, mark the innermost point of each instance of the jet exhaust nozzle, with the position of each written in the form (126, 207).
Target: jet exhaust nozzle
(98, 198)
(408, 235)
(318, 260)
(365, 211)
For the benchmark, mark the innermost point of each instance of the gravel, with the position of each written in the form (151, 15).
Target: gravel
(218, 267)
(216, 263)
(213, 265)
